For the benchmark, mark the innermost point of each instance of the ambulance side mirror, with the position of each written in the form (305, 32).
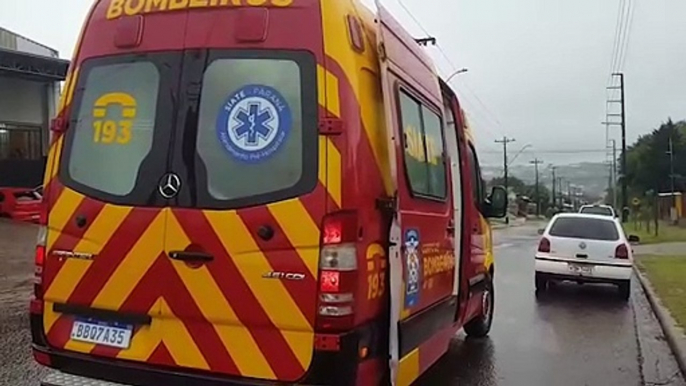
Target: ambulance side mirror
(495, 205)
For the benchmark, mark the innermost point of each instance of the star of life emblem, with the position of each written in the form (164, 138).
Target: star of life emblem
(254, 123)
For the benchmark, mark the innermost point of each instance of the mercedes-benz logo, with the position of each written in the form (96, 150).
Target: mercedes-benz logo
(170, 185)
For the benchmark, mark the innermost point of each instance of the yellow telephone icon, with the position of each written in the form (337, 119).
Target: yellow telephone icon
(109, 131)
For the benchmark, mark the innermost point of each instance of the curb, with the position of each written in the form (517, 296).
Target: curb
(674, 337)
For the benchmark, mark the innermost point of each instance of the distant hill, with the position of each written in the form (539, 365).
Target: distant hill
(591, 176)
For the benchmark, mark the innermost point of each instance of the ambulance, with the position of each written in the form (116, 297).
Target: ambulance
(257, 192)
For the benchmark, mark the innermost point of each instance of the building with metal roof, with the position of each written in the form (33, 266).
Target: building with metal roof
(30, 76)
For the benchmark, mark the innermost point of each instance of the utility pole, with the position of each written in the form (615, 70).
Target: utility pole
(625, 193)
(537, 162)
(614, 174)
(671, 176)
(505, 141)
(554, 183)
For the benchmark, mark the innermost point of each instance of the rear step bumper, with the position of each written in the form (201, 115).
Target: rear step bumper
(61, 379)
(327, 368)
(121, 373)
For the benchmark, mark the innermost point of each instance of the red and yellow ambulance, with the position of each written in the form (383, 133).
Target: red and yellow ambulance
(257, 192)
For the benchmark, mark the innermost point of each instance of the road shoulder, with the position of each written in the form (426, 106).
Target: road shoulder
(656, 369)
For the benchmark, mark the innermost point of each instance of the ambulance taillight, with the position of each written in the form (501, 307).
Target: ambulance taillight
(36, 305)
(337, 272)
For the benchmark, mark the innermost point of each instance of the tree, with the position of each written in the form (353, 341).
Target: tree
(513, 183)
(544, 195)
(649, 164)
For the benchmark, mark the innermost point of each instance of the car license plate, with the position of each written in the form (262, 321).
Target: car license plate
(106, 334)
(581, 269)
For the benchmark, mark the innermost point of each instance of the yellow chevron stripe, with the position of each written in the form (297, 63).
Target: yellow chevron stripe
(333, 103)
(271, 294)
(321, 85)
(59, 146)
(334, 173)
(93, 241)
(52, 158)
(179, 342)
(60, 214)
(147, 338)
(102, 229)
(361, 70)
(67, 86)
(136, 263)
(328, 91)
(322, 158)
(72, 87)
(215, 308)
(331, 175)
(329, 98)
(83, 347)
(408, 368)
(49, 317)
(301, 231)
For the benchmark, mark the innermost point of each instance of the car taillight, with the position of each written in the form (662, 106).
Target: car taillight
(337, 272)
(622, 252)
(544, 245)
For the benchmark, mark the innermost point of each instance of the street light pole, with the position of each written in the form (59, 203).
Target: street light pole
(456, 73)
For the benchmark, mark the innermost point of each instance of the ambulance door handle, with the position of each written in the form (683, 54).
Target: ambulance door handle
(191, 256)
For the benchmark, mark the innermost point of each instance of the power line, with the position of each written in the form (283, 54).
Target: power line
(615, 44)
(402, 4)
(627, 34)
(552, 151)
(625, 15)
(619, 27)
(488, 112)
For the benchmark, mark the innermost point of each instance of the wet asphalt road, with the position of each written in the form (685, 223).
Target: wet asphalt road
(575, 335)
(17, 242)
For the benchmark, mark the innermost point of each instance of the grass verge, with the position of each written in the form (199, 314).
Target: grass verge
(667, 274)
(666, 233)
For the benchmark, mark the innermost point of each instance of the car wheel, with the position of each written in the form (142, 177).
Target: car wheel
(541, 283)
(625, 290)
(480, 326)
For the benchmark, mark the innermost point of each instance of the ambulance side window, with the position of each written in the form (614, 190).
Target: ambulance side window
(424, 148)
(475, 173)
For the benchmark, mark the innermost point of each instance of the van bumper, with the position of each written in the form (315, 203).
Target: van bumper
(327, 368)
(553, 269)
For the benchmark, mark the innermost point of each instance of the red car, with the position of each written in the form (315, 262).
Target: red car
(21, 204)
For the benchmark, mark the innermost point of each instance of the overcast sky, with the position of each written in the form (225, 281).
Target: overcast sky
(537, 68)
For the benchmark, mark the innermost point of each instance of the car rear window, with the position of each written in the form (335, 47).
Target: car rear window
(585, 228)
(597, 210)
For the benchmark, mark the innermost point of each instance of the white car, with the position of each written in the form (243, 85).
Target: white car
(585, 248)
(603, 210)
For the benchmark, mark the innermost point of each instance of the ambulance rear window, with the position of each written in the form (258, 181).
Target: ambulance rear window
(257, 128)
(114, 126)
